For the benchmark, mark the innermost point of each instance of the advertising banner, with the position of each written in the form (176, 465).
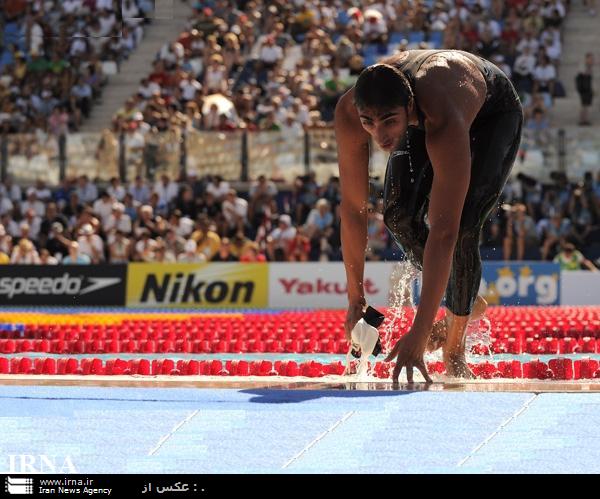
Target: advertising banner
(206, 285)
(523, 283)
(63, 285)
(323, 284)
(518, 283)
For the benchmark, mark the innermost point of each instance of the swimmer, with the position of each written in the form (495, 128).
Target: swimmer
(451, 122)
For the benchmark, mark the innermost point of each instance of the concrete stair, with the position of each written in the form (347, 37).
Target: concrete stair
(169, 21)
(581, 34)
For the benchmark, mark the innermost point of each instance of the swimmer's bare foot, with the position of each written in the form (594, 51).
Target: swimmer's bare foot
(439, 332)
(457, 367)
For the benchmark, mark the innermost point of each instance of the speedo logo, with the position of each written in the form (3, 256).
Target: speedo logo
(63, 285)
(179, 288)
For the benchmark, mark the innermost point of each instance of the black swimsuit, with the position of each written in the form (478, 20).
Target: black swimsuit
(495, 138)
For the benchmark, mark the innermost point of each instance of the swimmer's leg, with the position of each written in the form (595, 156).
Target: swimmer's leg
(494, 146)
(439, 331)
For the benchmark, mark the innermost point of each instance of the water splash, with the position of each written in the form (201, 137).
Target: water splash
(401, 302)
(479, 338)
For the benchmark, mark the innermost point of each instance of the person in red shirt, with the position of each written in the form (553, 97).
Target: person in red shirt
(252, 254)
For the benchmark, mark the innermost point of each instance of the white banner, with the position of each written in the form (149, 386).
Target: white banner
(580, 287)
(323, 285)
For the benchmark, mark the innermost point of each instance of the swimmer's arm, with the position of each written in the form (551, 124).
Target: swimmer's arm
(353, 158)
(449, 111)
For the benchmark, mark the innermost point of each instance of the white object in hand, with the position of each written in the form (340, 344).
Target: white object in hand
(364, 336)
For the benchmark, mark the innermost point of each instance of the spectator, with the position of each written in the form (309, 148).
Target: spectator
(319, 219)
(139, 190)
(33, 203)
(103, 206)
(190, 254)
(585, 89)
(75, 257)
(551, 232)
(520, 233)
(224, 254)
(117, 221)
(166, 189)
(252, 254)
(90, 244)
(116, 190)
(279, 241)
(25, 253)
(207, 240)
(569, 258)
(235, 211)
(86, 191)
(46, 258)
(300, 246)
(162, 254)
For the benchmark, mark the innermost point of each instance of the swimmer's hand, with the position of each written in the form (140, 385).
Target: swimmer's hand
(408, 352)
(355, 313)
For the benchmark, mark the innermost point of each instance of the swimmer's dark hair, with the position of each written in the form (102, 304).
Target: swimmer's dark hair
(382, 86)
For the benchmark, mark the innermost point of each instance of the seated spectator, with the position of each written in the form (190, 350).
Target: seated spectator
(162, 254)
(190, 255)
(90, 244)
(86, 190)
(520, 233)
(46, 258)
(279, 240)
(117, 221)
(300, 246)
(103, 206)
(166, 189)
(75, 257)
(544, 78)
(144, 247)
(174, 242)
(224, 254)
(218, 187)
(570, 258)
(538, 125)
(235, 211)
(139, 190)
(551, 232)
(120, 247)
(319, 219)
(207, 240)
(116, 190)
(25, 253)
(33, 203)
(377, 234)
(146, 221)
(252, 254)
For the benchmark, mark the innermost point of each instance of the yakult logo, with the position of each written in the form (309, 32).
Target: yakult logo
(321, 286)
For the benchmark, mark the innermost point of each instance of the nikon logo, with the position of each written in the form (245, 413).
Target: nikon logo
(181, 289)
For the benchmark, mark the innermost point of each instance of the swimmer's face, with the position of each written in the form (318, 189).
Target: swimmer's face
(386, 127)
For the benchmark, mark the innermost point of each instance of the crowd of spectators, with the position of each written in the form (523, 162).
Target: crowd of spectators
(200, 219)
(52, 54)
(206, 219)
(559, 222)
(281, 65)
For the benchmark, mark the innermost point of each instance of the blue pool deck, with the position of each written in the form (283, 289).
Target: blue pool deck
(302, 428)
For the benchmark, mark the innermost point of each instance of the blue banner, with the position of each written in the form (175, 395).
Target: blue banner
(518, 283)
(522, 283)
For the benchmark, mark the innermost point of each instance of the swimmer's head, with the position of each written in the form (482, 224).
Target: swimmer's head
(383, 98)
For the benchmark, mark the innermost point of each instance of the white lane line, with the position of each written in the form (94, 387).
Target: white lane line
(319, 438)
(169, 435)
(499, 429)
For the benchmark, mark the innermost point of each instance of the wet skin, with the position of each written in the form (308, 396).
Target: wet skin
(450, 91)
